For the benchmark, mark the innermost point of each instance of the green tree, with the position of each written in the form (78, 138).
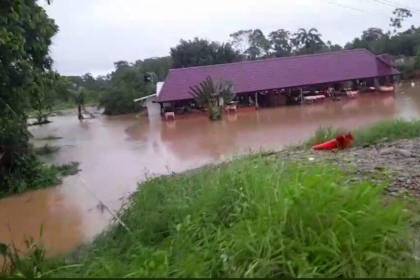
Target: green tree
(43, 96)
(158, 65)
(280, 43)
(400, 14)
(307, 41)
(251, 43)
(199, 52)
(25, 37)
(372, 34)
(373, 39)
(333, 47)
(127, 83)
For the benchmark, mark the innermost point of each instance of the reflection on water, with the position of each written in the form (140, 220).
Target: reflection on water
(116, 152)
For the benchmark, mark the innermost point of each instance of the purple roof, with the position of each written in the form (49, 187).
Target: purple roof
(277, 73)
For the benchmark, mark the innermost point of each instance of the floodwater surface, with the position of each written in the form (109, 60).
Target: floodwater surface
(117, 152)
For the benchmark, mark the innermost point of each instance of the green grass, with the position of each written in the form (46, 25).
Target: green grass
(254, 217)
(385, 131)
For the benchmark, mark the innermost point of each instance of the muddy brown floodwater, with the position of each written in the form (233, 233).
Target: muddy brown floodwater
(117, 152)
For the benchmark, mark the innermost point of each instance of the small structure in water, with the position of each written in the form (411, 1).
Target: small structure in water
(282, 81)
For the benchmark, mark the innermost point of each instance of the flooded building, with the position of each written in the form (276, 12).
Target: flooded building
(286, 80)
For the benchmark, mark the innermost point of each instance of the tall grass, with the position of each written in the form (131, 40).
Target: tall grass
(388, 131)
(385, 131)
(323, 134)
(255, 217)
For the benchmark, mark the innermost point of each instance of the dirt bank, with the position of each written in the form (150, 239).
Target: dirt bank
(396, 164)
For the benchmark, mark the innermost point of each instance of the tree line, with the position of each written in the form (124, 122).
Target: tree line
(116, 91)
(130, 80)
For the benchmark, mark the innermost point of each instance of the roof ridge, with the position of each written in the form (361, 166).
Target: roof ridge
(272, 58)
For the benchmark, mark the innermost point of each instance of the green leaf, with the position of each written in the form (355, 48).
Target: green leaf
(3, 249)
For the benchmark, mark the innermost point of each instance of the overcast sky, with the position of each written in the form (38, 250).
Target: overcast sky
(96, 33)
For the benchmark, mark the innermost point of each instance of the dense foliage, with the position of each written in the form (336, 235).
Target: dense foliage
(254, 217)
(25, 36)
(126, 83)
(254, 44)
(200, 52)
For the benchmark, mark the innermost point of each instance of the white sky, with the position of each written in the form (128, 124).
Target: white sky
(95, 33)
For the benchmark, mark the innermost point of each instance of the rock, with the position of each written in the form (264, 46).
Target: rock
(403, 152)
(387, 151)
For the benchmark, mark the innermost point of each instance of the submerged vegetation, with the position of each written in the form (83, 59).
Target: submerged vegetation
(253, 217)
(46, 150)
(32, 174)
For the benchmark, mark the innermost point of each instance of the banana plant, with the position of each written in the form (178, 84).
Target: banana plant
(213, 96)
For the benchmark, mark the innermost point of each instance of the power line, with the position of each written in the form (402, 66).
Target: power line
(354, 8)
(345, 6)
(395, 5)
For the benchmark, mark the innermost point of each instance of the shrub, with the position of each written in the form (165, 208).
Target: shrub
(30, 174)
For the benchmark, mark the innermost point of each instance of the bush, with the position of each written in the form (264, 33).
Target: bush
(30, 174)
(255, 217)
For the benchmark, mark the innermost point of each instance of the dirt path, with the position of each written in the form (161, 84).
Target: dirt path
(396, 163)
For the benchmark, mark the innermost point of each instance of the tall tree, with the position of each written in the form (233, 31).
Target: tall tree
(43, 95)
(400, 14)
(373, 34)
(251, 43)
(25, 37)
(373, 39)
(158, 65)
(199, 52)
(307, 41)
(280, 43)
(126, 84)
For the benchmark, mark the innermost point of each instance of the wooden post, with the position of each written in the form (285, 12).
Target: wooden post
(256, 101)
(301, 96)
(376, 83)
(161, 108)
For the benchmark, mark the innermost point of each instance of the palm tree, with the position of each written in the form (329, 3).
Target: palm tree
(213, 96)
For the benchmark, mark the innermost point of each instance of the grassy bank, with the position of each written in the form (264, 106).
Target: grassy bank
(254, 217)
(385, 131)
